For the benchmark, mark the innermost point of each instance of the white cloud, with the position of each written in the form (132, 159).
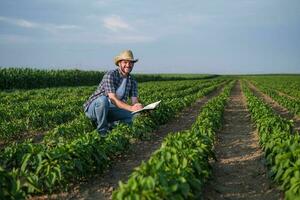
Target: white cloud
(29, 24)
(122, 31)
(66, 27)
(115, 23)
(19, 22)
(118, 31)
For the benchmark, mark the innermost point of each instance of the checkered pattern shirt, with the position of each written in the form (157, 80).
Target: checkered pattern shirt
(110, 83)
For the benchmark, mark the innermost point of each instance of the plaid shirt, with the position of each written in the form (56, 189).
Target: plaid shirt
(110, 83)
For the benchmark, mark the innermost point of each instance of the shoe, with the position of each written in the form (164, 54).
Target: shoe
(103, 133)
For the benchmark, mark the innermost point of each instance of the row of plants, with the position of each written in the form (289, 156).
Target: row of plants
(50, 108)
(292, 105)
(39, 120)
(162, 88)
(285, 84)
(280, 144)
(20, 96)
(18, 105)
(41, 169)
(82, 125)
(143, 124)
(48, 112)
(180, 168)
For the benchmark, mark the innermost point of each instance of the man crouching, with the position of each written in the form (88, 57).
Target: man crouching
(108, 103)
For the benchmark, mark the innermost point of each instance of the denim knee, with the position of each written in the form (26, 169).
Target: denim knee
(101, 101)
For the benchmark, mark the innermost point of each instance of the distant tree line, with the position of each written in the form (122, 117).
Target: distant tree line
(29, 78)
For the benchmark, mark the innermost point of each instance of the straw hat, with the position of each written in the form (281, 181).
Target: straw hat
(125, 55)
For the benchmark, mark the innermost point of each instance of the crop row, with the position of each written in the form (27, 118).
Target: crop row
(48, 111)
(180, 168)
(280, 144)
(81, 125)
(286, 84)
(11, 98)
(39, 114)
(291, 104)
(40, 169)
(74, 128)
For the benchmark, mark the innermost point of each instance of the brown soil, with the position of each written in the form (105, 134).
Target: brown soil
(37, 137)
(280, 110)
(101, 186)
(239, 171)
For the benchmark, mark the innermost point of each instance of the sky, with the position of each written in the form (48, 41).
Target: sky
(167, 36)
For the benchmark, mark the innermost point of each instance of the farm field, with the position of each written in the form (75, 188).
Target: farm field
(212, 138)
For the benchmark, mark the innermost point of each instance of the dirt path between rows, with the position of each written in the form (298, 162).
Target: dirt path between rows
(19, 138)
(280, 110)
(239, 172)
(101, 186)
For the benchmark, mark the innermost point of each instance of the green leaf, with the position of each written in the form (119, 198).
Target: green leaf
(25, 162)
(184, 163)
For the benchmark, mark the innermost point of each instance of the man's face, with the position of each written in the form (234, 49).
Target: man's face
(126, 66)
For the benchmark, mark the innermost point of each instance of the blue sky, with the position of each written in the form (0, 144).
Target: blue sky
(169, 36)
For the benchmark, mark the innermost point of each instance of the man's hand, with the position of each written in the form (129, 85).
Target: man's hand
(136, 107)
(120, 104)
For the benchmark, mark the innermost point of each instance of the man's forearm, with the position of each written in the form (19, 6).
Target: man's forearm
(121, 104)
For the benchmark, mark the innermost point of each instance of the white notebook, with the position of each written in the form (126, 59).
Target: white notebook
(148, 107)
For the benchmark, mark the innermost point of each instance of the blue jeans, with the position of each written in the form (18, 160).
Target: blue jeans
(100, 112)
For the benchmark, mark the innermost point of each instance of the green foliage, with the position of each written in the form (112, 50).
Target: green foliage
(179, 169)
(29, 78)
(281, 145)
(288, 84)
(10, 186)
(292, 104)
(73, 150)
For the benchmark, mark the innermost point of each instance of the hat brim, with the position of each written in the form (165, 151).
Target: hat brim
(117, 60)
